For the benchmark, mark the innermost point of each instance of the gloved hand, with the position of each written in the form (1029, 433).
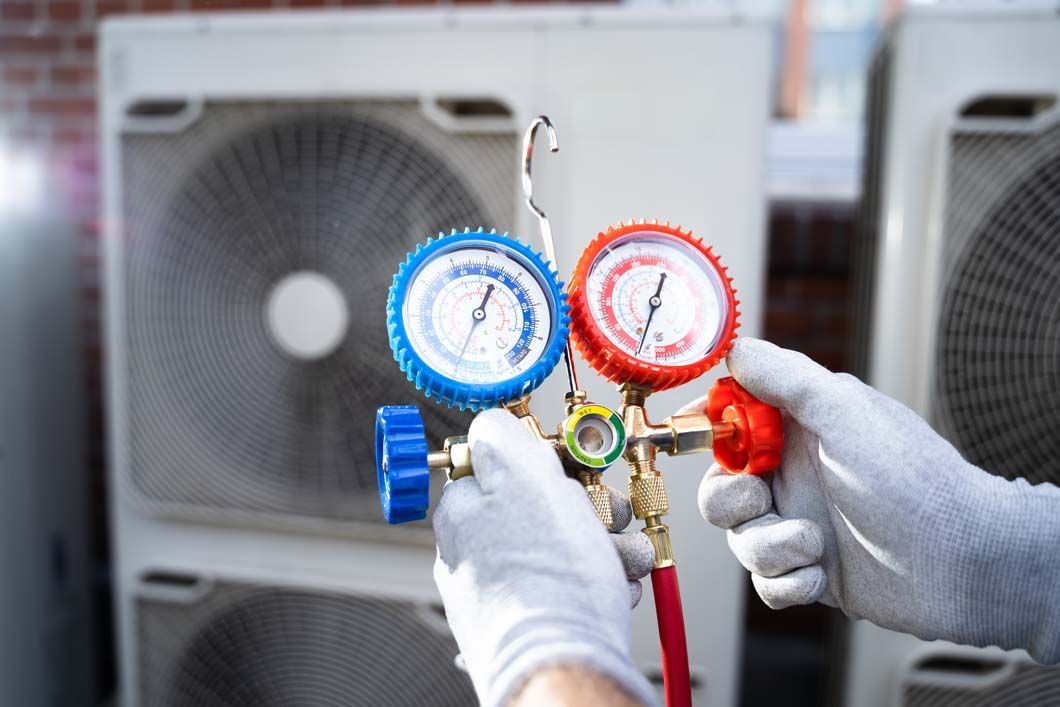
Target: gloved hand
(633, 547)
(527, 574)
(874, 513)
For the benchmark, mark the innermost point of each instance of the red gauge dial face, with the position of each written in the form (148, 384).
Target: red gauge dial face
(652, 306)
(657, 299)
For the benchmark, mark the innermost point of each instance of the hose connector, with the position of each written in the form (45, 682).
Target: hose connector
(659, 535)
(647, 492)
(599, 497)
(647, 495)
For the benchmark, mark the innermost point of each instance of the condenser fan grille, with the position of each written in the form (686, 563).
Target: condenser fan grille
(1027, 686)
(244, 646)
(999, 329)
(260, 246)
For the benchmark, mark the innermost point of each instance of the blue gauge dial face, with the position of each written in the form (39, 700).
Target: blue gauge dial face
(478, 314)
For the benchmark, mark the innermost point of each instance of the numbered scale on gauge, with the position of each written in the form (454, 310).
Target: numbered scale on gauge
(653, 306)
(476, 319)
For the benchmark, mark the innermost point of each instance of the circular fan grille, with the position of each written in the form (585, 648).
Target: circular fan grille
(275, 648)
(999, 330)
(1028, 686)
(223, 415)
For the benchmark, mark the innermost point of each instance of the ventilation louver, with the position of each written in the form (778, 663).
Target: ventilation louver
(1027, 685)
(998, 349)
(247, 646)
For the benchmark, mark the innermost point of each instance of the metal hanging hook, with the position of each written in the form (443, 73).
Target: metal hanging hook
(528, 182)
(542, 220)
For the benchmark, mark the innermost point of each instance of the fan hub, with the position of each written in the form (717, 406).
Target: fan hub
(307, 315)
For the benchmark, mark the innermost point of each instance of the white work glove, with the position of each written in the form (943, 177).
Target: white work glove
(874, 513)
(633, 547)
(527, 574)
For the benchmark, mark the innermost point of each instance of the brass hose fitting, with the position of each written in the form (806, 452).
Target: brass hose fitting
(455, 458)
(590, 480)
(633, 395)
(598, 496)
(647, 491)
(659, 535)
(520, 408)
(647, 495)
(594, 488)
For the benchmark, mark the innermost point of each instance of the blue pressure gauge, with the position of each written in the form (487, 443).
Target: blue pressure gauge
(476, 319)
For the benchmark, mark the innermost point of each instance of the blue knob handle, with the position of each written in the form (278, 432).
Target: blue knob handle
(401, 463)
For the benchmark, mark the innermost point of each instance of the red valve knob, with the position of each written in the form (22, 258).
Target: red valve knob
(757, 438)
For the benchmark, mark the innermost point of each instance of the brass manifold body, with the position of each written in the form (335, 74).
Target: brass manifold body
(676, 435)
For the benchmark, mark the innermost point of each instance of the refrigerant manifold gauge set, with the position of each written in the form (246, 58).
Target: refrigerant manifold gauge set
(478, 320)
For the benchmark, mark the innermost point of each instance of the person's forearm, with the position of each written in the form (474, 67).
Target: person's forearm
(1015, 604)
(571, 686)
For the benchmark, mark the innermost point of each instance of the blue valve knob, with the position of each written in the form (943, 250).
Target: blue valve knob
(401, 463)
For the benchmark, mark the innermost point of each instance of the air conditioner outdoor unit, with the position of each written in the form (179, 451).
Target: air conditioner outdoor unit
(264, 176)
(960, 227)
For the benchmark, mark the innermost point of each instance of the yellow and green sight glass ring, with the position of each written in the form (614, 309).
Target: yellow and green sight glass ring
(594, 435)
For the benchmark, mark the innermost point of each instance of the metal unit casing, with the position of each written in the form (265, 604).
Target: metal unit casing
(962, 120)
(672, 130)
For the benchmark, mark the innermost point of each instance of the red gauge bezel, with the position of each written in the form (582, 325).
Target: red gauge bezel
(606, 357)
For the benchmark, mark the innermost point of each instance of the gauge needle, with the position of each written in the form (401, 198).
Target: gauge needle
(654, 302)
(477, 315)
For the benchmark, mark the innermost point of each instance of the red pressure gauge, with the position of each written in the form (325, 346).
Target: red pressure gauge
(651, 305)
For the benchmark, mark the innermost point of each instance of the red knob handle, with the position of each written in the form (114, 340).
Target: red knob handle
(757, 432)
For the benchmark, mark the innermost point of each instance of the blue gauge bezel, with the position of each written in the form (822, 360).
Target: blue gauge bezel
(476, 396)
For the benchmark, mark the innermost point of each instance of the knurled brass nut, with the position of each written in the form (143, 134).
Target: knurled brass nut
(601, 501)
(647, 495)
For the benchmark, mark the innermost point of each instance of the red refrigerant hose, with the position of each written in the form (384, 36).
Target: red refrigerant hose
(676, 682)
(752, 444)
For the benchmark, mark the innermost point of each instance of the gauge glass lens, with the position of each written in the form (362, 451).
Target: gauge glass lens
(478, 314)
(658, 299)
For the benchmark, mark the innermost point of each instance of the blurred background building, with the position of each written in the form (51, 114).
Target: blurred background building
(49, 134)
(50, 165)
